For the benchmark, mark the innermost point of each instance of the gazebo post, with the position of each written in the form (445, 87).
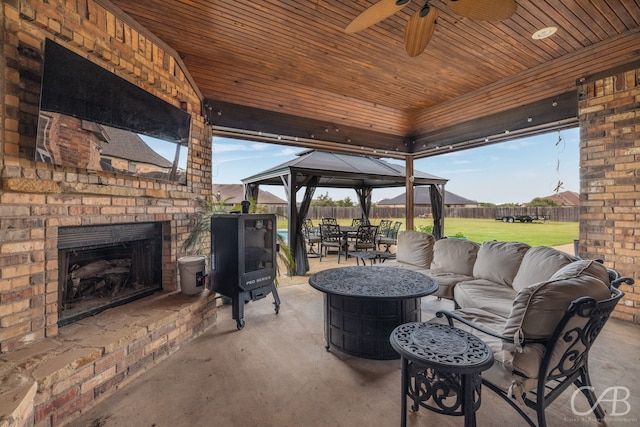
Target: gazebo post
(409, 203)
(291, 189)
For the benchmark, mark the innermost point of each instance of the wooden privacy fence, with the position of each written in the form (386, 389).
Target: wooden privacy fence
(557, 213)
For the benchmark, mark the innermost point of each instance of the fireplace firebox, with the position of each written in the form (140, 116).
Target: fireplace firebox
(104, 266)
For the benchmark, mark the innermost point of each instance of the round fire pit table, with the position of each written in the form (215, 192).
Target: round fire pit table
(364, 304)
(441, 368)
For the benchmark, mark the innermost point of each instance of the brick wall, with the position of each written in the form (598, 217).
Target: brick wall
(609, 112)
(36, 198)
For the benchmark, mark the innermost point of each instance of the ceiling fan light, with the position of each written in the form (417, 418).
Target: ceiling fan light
(543, 33)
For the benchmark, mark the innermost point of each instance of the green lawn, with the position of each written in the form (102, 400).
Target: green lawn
(480, 230)
(534, 233)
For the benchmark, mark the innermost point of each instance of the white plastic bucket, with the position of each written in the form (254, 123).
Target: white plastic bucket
(192, 273)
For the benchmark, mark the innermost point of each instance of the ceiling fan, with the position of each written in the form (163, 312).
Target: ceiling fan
(422, 24)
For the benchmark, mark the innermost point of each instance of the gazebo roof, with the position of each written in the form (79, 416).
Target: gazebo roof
(235, 194)
(336, 170)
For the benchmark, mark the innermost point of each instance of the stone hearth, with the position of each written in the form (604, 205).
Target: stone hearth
(57, 378)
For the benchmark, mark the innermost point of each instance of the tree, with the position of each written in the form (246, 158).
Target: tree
(345, 202)
(325, 200)
(540, 201)
(322, 200)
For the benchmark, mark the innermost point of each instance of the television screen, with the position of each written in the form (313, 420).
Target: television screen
(91, 118)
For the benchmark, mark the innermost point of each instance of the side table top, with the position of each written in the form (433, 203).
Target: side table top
(373, 282)
(441, 346)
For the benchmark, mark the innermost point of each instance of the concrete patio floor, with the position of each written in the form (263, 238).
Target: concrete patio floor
(276, 372)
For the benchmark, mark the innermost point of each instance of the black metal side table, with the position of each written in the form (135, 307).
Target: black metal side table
(441, 368)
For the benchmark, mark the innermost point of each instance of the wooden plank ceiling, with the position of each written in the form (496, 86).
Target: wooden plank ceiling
(287, 69)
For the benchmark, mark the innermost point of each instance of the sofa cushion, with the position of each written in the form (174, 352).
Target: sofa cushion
(415, 247)
(403, 265)
(488, 321)
(538, 265)
(538, 308)
(446, 281)
(485, 295)
(499, 261)
(455, 256)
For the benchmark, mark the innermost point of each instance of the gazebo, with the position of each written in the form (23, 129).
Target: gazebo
(312, 169)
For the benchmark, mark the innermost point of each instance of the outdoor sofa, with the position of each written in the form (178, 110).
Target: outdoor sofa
(538, 309)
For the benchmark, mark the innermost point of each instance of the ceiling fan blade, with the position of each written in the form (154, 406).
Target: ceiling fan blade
(484, 10)
(419, 31)
(374, 14)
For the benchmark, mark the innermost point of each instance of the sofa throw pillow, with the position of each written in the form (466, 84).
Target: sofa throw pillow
(455, 256)
(415, 247)
(538, 265)
(499, 261)
(583, 267)
(538, 308)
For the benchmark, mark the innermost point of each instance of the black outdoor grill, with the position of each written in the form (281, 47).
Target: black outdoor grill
(243, 259)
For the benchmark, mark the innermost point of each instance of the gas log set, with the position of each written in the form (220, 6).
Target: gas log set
(106, 266)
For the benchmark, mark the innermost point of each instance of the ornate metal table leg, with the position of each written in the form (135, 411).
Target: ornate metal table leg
(469, 407)
(404, 395)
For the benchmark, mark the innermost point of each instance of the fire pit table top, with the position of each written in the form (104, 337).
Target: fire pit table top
(387, 283)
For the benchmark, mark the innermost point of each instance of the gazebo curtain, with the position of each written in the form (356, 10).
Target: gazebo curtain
(364, 197)
(436, 210)
(251, 192)
(300, 256)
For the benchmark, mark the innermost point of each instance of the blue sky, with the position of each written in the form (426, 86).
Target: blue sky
(509, 172)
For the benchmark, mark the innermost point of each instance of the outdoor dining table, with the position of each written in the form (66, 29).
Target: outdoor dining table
(363, 305)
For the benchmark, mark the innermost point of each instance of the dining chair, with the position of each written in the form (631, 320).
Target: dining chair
(365, 239)
(311, 237)
(391, 238)
(383, 230)
(331, 237)
(331, 221)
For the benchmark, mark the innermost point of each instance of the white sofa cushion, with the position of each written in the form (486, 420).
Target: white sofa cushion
(454, 256)
(484, 295)
(446, 281)
(499, 261)
(415, 247)
(539, 264)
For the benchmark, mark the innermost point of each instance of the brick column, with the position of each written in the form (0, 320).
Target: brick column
(609, 113)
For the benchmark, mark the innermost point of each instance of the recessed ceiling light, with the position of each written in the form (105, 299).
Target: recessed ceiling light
(544, 33)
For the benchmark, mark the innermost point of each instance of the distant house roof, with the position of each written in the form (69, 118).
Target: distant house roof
(566, 198)
(128, 145)
(421, 197)
(236, 194)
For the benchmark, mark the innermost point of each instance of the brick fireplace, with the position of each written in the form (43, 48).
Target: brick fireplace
(104, 266)
(74, 234)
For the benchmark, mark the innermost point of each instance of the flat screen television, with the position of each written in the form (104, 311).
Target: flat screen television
(91, 118)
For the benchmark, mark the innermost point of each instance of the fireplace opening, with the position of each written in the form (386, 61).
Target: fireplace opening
(105, 266)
